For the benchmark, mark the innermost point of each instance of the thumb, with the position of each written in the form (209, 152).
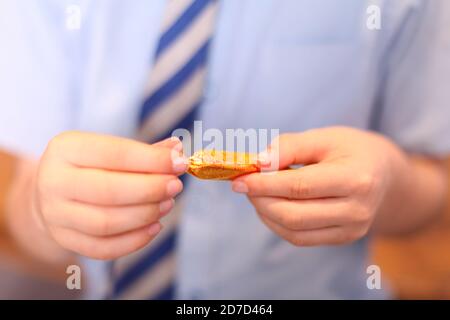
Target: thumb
(302, 148)
(168, 143)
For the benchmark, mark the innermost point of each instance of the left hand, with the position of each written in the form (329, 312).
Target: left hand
(334, 197)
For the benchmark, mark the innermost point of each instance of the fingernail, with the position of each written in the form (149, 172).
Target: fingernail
(174, 187)
(263, 158)
(165, 207)
(154, 228)
(178, 147)
(180, 164)
(239, 186)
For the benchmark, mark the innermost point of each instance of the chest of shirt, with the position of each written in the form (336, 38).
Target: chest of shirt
(289, 65)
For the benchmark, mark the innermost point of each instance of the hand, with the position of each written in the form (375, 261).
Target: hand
(102, 196)
(334, 197)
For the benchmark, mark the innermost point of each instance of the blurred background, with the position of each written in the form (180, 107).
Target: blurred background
(417, 265)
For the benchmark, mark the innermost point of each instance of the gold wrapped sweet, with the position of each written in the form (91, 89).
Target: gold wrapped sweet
(222, 165)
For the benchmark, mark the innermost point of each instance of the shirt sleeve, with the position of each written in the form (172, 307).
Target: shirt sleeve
(35, 75)
(415, 95)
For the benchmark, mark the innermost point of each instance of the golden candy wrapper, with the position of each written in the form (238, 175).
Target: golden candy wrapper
(222, 165)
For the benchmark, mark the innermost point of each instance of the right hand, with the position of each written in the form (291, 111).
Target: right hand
(102, 196)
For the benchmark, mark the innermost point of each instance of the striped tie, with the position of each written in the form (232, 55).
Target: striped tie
(174, 93)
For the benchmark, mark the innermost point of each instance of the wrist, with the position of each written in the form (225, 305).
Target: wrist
(394, 168)
(415, 192)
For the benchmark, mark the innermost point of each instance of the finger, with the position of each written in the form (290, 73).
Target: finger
(118, 154)
(299, 148)
(305, 238)
(105, 248)
(309, 182)
(304, 215)
(110, 188)
(107, 221)
(172, 142)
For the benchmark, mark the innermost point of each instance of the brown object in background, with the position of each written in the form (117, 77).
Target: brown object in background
(418, 265)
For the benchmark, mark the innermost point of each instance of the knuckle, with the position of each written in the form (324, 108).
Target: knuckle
(108, 192)
(262, 212)
(142, 216)
(298, 221)
(292, 221)
(147, 194)
(47, 181)
(280, 141)
(117, 151)
(58, 142)
(254, 183)
(362, 216)
(283, 138)
(344, 237)
(149, 215)
(155, 189)
(142, 241)
(61, 239)
(103, 252)
(46, 210)
(297, 240)
(55, 142)
(299, 189)
(106, 251)
(103, 225)
(365, 183)
(151, 193)
(361, 232)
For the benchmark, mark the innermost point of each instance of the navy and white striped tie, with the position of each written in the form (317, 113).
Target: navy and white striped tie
(174, 93)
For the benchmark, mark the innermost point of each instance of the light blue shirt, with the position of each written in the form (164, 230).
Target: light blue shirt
(289, 64)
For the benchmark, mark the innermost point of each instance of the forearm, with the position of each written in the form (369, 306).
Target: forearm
(22, 225)
(416, 196)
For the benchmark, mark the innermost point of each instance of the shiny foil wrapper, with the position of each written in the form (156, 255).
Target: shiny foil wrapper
(222, 165)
